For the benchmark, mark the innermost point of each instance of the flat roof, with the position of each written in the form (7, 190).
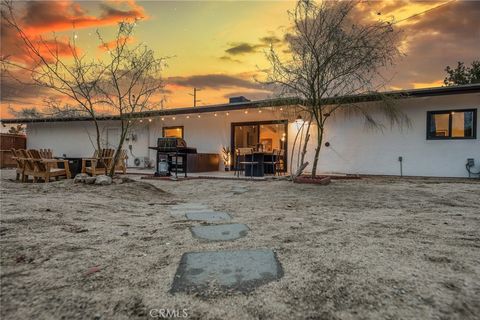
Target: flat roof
(425, 92)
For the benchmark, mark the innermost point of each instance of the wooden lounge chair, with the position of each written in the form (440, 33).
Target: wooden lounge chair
(47, 154)
(99, 163)
(28, 164)
(20, 169)
(47, 168)
(121, 164)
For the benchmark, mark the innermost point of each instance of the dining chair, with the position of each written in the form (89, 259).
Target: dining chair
(275, 162)
(241, 160)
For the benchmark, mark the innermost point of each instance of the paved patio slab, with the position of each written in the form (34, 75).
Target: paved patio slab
(222, 232)
(208, 272)
(212, 216)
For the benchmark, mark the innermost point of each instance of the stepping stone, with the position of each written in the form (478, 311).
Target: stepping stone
(189, 206)
(207, 273)
(208, 216)
(221, 232)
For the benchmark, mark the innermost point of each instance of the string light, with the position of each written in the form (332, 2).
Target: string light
(228, 113)
(188, 117)
(281, 109)
(259, 111)
(246, 111)
(198, 116)
(141, 120)
(163, 119)
(215, 114)
(150, 120)
(173, 118)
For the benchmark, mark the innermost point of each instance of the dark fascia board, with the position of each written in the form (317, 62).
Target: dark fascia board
(426, 92)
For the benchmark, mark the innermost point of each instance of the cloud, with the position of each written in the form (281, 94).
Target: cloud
(214, 81)
(437, 39)
(242, 48)
(46, 16)
(268, 40)
(230, 59)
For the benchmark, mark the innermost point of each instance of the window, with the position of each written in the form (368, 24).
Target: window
(173, 132)
(452, 124)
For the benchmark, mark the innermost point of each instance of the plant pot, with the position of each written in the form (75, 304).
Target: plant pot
(320, 180)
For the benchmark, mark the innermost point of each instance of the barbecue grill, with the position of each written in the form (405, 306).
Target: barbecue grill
(171, 156)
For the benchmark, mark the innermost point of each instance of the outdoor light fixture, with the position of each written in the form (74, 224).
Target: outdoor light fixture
(163, 119)
(141, 120)
(188, 117)
(299, 122)
(259, 111)
(246, 111)
(149, 120)
(215, 114)
(281, 109)
(199, 116)
(228, 113)
(173, 118)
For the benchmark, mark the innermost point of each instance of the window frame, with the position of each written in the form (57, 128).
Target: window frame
(449, 112)
(173, 127)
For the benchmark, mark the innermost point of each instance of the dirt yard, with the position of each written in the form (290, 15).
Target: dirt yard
(375, 248)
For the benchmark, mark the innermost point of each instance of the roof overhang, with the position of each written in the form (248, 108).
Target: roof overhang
(426, 92)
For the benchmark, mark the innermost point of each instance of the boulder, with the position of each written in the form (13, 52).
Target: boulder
(90, 180)
(80, 178)
(103, 180)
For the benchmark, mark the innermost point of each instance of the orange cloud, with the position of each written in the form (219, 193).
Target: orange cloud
(46, 16)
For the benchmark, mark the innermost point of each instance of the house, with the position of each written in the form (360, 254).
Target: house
(441, 138)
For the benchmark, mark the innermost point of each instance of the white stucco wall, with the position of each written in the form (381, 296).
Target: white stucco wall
(353, 149)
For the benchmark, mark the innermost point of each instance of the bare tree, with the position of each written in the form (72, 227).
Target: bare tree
(124, 83)
(331, 57)
(131, 78)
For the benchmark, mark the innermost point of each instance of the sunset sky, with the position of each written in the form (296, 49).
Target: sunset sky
(219, 46)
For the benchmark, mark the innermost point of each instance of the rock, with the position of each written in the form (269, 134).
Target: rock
(90, 180)
(80, 178)
(103, 180)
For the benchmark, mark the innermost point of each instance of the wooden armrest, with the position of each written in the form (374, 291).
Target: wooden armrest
(53, 160)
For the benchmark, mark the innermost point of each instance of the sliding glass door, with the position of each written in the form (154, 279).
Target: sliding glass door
(265, 135)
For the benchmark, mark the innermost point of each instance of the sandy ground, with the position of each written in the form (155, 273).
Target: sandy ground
(375, 248)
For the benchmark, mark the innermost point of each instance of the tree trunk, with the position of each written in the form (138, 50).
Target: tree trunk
(118, 151)
(317, 150)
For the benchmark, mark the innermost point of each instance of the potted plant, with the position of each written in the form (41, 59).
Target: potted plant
(226, 155)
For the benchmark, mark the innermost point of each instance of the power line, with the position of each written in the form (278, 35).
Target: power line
(423, 12)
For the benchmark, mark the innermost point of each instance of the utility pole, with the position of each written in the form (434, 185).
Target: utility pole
(195, 96)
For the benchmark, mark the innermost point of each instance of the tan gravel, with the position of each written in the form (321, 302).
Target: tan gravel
(374, 248)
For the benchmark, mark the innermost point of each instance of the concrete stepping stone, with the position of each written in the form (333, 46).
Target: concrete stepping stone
(221, 232)
(207, 273)
(208, 216)
(182, 208)
(189, 206)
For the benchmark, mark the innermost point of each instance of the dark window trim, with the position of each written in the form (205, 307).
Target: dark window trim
(449, 112)
(252, 123)
(172, 127)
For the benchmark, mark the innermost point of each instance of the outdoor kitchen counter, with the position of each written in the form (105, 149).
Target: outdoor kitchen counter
(203, 162)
